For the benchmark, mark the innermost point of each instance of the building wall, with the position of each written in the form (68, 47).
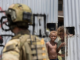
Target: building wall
(47, 7)
(72, 19)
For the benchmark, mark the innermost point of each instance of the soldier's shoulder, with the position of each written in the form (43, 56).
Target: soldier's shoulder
(13, 41)
(11, 45)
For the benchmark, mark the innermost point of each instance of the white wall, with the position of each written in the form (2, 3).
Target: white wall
(72, 19)
(47, 7)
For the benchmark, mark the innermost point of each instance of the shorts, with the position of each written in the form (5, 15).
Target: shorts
(54, 59)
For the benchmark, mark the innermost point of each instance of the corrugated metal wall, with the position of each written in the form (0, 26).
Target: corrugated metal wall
(47, 7)
(72, 19)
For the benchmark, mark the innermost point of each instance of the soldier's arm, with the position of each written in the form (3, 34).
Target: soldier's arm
(11, 51)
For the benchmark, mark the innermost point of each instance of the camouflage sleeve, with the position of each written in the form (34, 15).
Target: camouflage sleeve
(11, 50)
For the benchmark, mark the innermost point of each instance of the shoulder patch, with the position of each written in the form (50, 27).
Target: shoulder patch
(11, 45)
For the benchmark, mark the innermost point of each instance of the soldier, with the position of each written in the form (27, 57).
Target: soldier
(22, 46)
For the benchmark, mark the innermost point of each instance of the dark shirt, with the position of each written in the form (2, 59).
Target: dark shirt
(62, 48)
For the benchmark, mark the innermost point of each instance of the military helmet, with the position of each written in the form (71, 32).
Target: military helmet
(19, 14)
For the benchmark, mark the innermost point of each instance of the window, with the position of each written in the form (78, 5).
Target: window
(60, 5)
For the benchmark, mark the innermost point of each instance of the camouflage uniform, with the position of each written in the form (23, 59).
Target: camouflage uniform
(23, 46)
(20, 48)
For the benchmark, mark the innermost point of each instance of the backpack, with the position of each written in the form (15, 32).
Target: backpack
(32, 48)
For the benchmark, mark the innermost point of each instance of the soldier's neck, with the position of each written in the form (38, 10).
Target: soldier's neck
(22, 32)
